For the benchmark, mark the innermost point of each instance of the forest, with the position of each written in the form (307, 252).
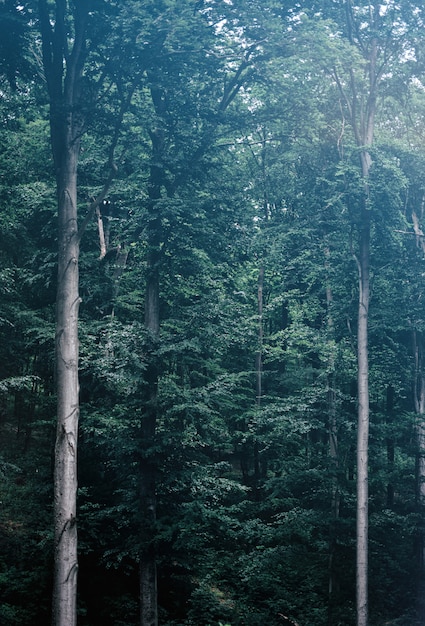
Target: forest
(212, 313)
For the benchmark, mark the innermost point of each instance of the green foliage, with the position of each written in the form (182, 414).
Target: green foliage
(259, 171)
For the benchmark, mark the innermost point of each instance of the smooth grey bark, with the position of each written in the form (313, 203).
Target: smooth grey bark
(64, 32)
(259, 355)
(63, 70)
(362, 111)
(419, 404)
(363, 426)
(259, 373)
(65, 467)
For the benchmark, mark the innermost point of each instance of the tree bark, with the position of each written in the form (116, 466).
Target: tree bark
(63, 72)
(147, 468)
(362, 111)
(363, 423)
(258, 378)
(364, 131)
(419, 403)
(333, 449)
(147, 562)
(102, 237)
(65, 468)
(259, 354)
(390, 445)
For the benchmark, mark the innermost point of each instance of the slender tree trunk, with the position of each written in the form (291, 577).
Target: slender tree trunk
(63, 67)
(333, 452)
(147, 557)
(390, 445)
(362, 111)
(363, 423)
(65, 468)
(147, 563)
(419, 402)
(258, 376)
(64, 28)
(259, 355)
(102, 237)
(333, 583)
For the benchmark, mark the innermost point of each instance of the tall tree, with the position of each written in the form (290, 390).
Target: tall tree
(369, 28)
(147, 557)
(179, 149)
(63, 70)
(64, 28)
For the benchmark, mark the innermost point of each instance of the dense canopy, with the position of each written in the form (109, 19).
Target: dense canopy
(212, 248)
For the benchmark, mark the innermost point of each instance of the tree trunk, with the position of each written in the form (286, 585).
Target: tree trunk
(419, 403)
(258, 379)
(65, 468)
(259, 354)
(147, 563)
(102, 237)
(363, 423)
(362, 111)
(390, 445)
(333, 585)
(147, 468)
(63, 72)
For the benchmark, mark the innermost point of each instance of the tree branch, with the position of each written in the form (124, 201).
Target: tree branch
(97, 201)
